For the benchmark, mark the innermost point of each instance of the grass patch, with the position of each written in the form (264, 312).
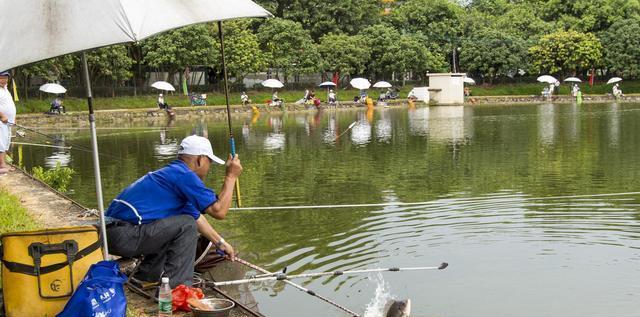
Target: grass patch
(13, 216)
(529, 89)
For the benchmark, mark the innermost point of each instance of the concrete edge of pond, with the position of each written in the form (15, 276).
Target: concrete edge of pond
(46, 205)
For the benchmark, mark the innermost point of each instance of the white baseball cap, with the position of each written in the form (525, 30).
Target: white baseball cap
(197, 145)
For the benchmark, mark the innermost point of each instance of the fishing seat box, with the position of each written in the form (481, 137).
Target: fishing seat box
(41, 269)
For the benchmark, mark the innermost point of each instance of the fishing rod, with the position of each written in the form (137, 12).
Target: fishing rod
(306, 290)
(43, 145)
(431, 202)
(284, 277)
(345, 131)
(232, 141)
(75, 146)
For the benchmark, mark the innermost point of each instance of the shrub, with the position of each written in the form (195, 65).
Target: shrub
(58, 177)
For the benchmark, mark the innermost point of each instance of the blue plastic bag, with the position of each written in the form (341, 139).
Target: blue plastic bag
(100, 294)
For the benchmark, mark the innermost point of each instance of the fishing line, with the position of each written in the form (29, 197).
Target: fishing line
(103, 128)
(74, 146)
(425, 202)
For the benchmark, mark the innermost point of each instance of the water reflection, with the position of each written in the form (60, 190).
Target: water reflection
(419, 121)
(450, 123)
(383, 126)
(571, 122)
(547, 123)
(58, 156)
(329, 134)
(361, 132)
(167, 148)
(613, 117)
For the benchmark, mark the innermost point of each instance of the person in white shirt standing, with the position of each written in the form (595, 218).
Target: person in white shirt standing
(7, 118)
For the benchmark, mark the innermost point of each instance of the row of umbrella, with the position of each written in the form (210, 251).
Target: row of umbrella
(53, 88)
(358, 83)
(552, 80)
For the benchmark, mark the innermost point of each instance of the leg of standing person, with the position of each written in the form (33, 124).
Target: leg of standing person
(169, 246)
(5, 141)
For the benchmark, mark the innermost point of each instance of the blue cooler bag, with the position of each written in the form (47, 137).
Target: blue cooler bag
(100, 294)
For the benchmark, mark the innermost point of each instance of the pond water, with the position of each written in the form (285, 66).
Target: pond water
(535, 207)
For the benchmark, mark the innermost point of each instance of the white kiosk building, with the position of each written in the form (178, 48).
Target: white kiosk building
(446, 88)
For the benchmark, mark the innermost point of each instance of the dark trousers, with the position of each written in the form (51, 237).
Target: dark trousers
(168, 245)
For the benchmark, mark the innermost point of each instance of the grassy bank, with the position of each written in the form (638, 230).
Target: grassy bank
(528, 89)
(36, 105)
(14, 217)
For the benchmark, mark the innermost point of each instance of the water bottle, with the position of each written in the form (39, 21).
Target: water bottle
(164, 299)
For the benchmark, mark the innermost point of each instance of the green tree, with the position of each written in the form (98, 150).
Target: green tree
(588, 15)
(377, 38)
(440, 21)
(289, 47)
(622, 41)
(54, 69)
(522, 20)
(344, 54)
(339, 16)
(566, 52)
(409, 55)
(51, 70)
(111, 63)
(242, 50)
(492, 53)
(173, 51)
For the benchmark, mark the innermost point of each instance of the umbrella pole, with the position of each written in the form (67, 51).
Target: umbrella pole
(96, 158)
(232, 141)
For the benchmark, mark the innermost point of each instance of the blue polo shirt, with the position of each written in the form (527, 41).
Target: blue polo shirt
(170, 191)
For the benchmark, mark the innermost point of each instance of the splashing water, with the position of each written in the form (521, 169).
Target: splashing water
(376, 307)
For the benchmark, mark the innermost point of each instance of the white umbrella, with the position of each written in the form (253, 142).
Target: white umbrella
(163, 85)
(382, 84)
(360, 83)
(327, 84)
(614, 80)
(272, 83)
(28, 34)
(53, 88)
(40, 29)
(469, 80)
(573, 80)
(547, 79)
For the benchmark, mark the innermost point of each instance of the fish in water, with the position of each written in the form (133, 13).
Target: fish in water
(399, 308)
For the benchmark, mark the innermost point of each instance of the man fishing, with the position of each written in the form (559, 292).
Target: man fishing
(159, 215)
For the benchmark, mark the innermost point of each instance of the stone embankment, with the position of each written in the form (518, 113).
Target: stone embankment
(153, 114)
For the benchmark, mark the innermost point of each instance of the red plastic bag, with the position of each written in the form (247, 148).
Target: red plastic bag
(182, 294)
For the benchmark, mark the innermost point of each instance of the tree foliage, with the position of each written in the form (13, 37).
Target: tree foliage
(54, 69)
(289, 46)
(440, 21)
(242, 50)
(622, 41)
(409, 55)
(112, 63)
(344, 54)
(566, 52)
(492, 53)
(173, 51)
